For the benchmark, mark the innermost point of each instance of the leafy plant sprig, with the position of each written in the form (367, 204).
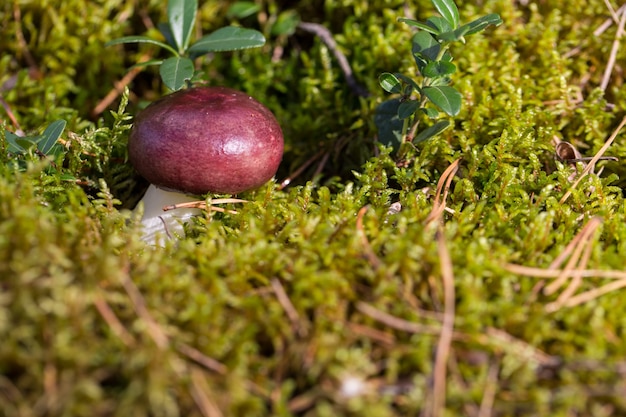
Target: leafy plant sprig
(399, 118)
(22, 149)
(178, 70)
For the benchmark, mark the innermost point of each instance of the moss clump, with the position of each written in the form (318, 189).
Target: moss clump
(305, 298)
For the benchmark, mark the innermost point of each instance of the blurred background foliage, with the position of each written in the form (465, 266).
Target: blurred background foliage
(93, 323)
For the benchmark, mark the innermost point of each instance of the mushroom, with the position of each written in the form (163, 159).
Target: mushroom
(197, 141)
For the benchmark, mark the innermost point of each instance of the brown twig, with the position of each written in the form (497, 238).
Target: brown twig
(367, 248)
(595, 159)
(200, 393)
(290, 310)
(114, 323)
(612, 57)
(439, 205)
(327, 37)
(201, 204)
(284, 183)
(119, 87)
(447, 328)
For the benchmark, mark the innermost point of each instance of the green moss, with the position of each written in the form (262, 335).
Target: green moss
(95, 323)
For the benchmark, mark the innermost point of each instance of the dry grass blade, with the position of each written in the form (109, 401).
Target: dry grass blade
(447, 329)
(439, 205)
(579, 243)
(201, 204)
(200, 393)
(288, 306)
(114, 323)
(580, 249)
(367, 248)
(395, 322)
(139, 304)
(597, 156)
(616, 42)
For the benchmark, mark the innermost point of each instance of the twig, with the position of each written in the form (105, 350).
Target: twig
(119, 87)
(447, 329)
(139, 304)
(367, 248)
(576, 246)
(288, 306)
(616, 42)
(395, 322)
(489, 391)
(599, 31)
(554, 273)
(439, 206)
(327, 37)
(284, 183)
(199, 392)
(595, 159)
(114, 323)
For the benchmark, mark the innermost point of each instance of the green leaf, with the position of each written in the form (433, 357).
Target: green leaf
(182, 16)
(430, 112)
(425, 49)
(242, 9)
(439, 23)
(148, 63)
(482, 23)
(446, 98)
(407, 109)
(390, 83)
(25, 143)
(419, 25)
(409, 81)
(176, 71)
(50, 136)
(449, 11)
(286, 23)
(436, 69)
(424, 44)
(229, 38)
(141, 39)
(11, 139)
(388, 123)
(431, 131)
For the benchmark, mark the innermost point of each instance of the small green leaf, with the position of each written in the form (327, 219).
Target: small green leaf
(407, 109)
(449, 11)
(424, 44)
(430, 112)
(431, 131)
(439, 23)
(446, 98)
(436, 69)
(242, 9)
(388, 124)
(229, 38)
(26, 143)
(11, 139)
(141, 39)
(286, 23)
(50, 136)
(482, 23)
(148, 63)
(390, 83)
(425, 49)
(409, 81)
(419, 25)
(176, 71)
(182, 16)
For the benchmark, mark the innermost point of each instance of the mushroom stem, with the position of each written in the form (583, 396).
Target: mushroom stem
(160, 225)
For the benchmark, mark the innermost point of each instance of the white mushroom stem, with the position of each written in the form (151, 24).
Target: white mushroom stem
(160, 225)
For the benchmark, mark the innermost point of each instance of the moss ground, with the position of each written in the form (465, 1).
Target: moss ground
(319, 289)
